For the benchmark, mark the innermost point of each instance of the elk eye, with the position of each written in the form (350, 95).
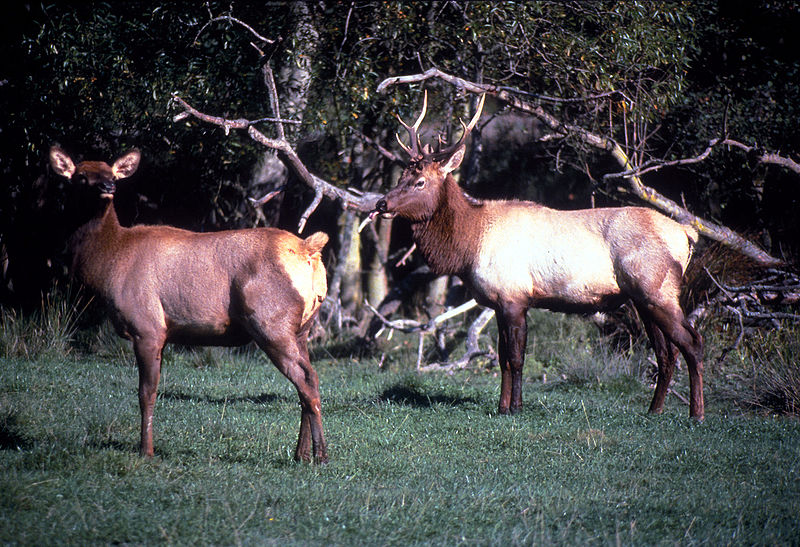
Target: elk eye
(81, 179)
(419, 184)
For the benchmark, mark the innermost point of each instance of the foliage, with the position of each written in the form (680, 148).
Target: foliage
(743, 84)
(576, 466)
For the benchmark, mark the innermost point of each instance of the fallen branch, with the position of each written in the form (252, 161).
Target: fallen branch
(473, 350)
(431, 327)
(753, 304)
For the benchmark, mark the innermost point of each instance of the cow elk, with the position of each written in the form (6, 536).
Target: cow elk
(164, 284)
(515, 255)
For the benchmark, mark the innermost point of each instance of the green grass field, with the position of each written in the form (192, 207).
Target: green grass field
(415, 459)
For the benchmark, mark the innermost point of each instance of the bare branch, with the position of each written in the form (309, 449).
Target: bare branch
(269, 82)
(763, 157)
(754, 303)
(364, 202)
(410, 325)
(232, 20)
(310, 209)
(264, 199)
(389, 155)
(472, 348)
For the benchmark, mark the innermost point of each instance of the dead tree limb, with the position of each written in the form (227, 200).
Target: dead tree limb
(705, 227)
(754, 304)
(473, 349)
(431, 328)
(364, 202)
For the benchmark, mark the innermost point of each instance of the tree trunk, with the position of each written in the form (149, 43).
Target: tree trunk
(377, 281)
(293, 81)
(351, 294)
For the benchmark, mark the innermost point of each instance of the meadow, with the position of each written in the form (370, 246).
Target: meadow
(416, 459)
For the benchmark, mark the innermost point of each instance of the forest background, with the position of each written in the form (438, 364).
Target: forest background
(691, 107)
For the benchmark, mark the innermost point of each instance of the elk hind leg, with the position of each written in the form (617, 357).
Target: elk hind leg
(666, 356)
(289, 353)
(677, 330)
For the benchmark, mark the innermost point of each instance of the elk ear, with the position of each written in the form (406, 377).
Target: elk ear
(126, 166)
(61, 163)
(453, 161)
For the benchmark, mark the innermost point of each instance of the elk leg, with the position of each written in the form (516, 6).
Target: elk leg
(505, 371)
(513, 328)
(290, 356)
(666, 354)
(313, 418)
(148, 360)
(679, 332)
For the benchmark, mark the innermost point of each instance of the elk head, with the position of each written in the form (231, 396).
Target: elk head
(420, 189)
(95, 174)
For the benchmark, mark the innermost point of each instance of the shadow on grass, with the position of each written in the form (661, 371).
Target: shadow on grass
(10, 436)
(263, 399)
(412, 395)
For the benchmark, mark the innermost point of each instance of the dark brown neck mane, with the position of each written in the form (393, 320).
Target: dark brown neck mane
(449, 239)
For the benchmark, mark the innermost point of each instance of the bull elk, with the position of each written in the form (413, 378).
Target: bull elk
(164, 284)
(515, 255)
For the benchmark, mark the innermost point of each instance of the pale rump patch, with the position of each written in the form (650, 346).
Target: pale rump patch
(302, 262)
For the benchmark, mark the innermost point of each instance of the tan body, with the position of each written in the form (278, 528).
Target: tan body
(584, 259)
(515, 255)
(164, 284)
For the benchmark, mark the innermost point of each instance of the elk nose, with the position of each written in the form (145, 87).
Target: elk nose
(381, 206)
(107, 186)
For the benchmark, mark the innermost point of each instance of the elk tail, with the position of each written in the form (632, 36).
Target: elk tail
(315, 242)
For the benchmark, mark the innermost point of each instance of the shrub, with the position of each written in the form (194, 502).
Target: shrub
(765, 371)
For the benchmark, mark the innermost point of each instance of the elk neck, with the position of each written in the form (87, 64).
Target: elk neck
(94, 244)
(449, 240)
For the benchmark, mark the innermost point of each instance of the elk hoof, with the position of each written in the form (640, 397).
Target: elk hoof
(509, 411)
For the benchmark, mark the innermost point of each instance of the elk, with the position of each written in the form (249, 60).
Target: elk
(164, 284)
(515, 255)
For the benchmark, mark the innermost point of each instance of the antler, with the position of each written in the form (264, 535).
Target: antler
(467, 128)
(414, 150)
(417, 150)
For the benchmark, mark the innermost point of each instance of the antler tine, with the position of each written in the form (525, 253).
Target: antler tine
(403, 146)
(467, 127)
(414, 149)
(477, 115)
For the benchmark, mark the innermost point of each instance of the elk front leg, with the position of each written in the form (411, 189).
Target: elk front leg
(513, 333)
(148, 361)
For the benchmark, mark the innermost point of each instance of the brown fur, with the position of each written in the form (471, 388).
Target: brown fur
(514, 255)
(164, 284)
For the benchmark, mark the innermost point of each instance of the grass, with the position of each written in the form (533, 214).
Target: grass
(50, 332)
(415, 459)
